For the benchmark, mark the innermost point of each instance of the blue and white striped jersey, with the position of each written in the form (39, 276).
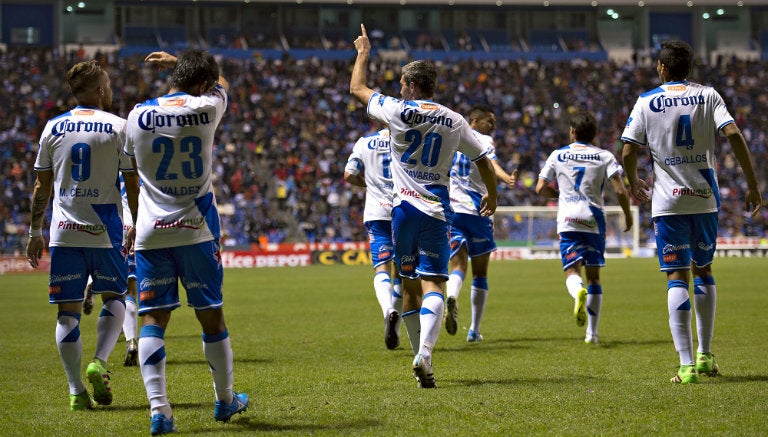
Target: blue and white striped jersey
(467, 186)
(424, 135)
(581, 171)
(171, 138)
(678, 122)
(84, 149)
(371, 155)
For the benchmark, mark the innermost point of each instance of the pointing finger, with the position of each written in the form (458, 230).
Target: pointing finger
(362, 29)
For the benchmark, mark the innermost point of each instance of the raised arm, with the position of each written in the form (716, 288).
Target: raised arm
(357, 83)
(753, 200)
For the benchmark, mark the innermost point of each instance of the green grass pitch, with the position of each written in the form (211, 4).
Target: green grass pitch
(309, 350)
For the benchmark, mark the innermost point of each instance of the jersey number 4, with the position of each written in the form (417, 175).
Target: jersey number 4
(684, 135)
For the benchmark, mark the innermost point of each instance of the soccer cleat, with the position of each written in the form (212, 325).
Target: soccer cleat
(591, 339)
(88, 301)
(391, 333)
(686, 375)
(422, 371)
(80, 402)
(223, 411)
(580, 307)
(705, 364)
(474, 337)
(161, 425)
(131, 353)
(451, 315)
(98, 375)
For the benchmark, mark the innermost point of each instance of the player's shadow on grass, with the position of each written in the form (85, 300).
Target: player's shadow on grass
(522, 381)
(733, 379)
(201, 361)
(250, 424)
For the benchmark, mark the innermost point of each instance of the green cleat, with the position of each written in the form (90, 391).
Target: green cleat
(80, 402)
(705, 364)
(580, 307)
(98, 375)
(686, 375)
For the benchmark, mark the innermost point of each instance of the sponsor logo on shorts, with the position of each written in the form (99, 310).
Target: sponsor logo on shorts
(672, 257)
(669, 248)
(704, 246)
(154, 282)
(571, 255)
(65, 278)
(147, 295)
(54, 289)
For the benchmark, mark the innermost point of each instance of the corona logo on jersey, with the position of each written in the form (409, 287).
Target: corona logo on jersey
(411, 117)
(65, 126)
(569, 156)
(93, 229)
(379, 143)
(662, 102)
(150, 120)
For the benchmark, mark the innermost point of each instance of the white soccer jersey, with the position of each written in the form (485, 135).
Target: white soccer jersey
(467, 187)
(424, 137)
(581, 171)
(171, 138)
(84, 149)
(371, 156)
(678, 122)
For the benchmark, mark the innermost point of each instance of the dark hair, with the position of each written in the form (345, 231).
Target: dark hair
(84, 77)
(584, 126)
(193, 68)
(423, 74)
(677, 57)
(479, 111)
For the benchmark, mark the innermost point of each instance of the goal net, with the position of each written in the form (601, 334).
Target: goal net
(531, 232)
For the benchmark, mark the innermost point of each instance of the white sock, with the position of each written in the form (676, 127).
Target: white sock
(705, 301)
(383, 287)
(454, 284)
(431, 318)
(479, 295)
(218, 351)
(397, 295)
(679, 307)
(108, 327)
(412, 321)
(131, 322)
(594, 305)
(70, 347)
(574, 283)
(152, 365)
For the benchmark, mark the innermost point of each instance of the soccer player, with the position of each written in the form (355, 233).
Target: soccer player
(368, 167)
(130, 322)
(471, 233)
(581, 171)
(78, 161)
(177, 235)
(424, 135)
(677, 122)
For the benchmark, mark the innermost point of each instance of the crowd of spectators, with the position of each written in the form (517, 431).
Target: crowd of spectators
(282, 147)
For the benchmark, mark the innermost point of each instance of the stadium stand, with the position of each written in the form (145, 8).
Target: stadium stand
(290, 126)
